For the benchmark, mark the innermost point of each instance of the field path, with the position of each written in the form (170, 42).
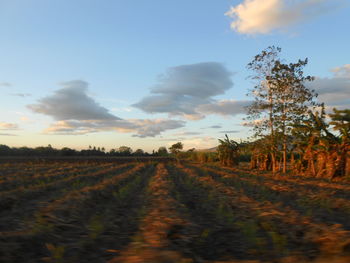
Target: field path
(162, 221)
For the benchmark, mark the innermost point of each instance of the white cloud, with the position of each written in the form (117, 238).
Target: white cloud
(265, 16)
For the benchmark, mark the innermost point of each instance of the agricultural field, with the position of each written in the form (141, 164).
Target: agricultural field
(160, 210)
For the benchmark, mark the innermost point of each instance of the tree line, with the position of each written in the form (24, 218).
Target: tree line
(65, 151)
(91, 151)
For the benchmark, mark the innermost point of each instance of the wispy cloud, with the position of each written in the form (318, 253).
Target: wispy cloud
(5, 84)
(225, 107)
(342, 72)
(213, 127)
(187, 133)
(262, 17)
(7, 134)
(25, 118)
(231, 131)
(23, 95)
(124, 109)
(77, 113)
(8, 126)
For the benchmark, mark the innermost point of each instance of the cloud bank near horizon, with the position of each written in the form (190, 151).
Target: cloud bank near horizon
(76, 113)
(334, 91)
(6, 126)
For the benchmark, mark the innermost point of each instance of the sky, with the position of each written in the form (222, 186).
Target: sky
(146, 74)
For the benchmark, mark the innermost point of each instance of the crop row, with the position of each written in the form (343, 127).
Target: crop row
(321, 204)
(42, 178)
(18, 170)
(18, 205)
(262, 230)
(82, 223)
(314, 183)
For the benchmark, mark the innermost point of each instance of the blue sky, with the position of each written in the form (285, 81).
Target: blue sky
(114, 55)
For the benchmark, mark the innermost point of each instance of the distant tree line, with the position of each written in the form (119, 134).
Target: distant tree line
(43, 151)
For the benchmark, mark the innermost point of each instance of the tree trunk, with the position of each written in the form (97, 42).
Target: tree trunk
(312, 164)
(292, 159)
(284, 157)
(284, 170)
(273, 153)
(340, 162)
(273, 162)
(253, 162)
(347, 162)
(321, 161)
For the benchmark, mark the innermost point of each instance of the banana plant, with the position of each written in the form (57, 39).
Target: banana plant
(228, 151)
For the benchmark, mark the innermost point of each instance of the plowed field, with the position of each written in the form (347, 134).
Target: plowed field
(168, 212)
